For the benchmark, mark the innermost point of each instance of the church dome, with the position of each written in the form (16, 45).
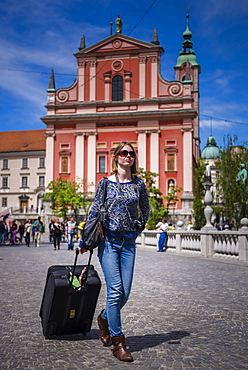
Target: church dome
(211, 150)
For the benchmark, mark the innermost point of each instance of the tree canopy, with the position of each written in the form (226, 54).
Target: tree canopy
(67, 194)
(232, 193)
(158, 208)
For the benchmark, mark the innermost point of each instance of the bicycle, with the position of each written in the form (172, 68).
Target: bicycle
(9, 239)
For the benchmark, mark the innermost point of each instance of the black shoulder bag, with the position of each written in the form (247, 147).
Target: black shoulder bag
(93, 231)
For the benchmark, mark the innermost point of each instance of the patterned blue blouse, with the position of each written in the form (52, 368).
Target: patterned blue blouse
(121, 207)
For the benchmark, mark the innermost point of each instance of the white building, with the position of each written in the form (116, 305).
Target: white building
(22, 165)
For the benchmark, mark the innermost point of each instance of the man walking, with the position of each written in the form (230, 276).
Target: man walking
(38, 229)
(70, 233)
(163, 236)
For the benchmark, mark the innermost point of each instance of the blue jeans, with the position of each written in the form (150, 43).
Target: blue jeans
(117, 258)
(162, 241)
(70, 241)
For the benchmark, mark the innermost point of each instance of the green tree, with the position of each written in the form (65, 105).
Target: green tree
(172, 197)
(67, 194)
(199, 192)
(232, 193)
(158, 209)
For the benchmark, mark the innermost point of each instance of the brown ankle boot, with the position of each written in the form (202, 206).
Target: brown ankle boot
(119, 350)
(104, 330)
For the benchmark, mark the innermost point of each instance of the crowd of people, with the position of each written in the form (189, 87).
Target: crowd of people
(30, 231)
(14, 232)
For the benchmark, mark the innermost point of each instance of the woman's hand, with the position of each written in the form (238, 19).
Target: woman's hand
(82, 250)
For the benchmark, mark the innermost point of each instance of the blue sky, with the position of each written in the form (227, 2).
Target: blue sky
(36, 36)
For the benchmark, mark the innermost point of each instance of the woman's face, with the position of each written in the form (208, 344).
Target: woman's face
(126, 157)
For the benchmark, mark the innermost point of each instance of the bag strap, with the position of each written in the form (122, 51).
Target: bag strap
(104, 190)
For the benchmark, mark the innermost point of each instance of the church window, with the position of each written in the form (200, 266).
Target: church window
(101, 163)
(171, 162)
(64, 164)
(117, 88)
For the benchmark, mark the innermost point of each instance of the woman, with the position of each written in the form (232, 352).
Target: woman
(126, 194)
(14, 231)
(57, 230)
(28, 229)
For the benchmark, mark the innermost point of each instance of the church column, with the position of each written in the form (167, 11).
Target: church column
(49, 157)
(154, 76)
(154, 153)
(91, 165)
(187, 197)
(187, 159)
(142, 148)
(142, 77)
(81, 80)
(92, 65)
(127, 79)
(79, 156)
(107, 84)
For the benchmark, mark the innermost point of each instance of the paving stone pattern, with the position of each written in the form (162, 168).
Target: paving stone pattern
(184, 312)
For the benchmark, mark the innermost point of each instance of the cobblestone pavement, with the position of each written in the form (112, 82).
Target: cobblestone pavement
(184, 312)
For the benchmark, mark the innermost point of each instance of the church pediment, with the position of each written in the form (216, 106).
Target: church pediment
(118, 42)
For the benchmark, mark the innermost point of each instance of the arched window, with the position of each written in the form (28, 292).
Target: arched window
(117, 88)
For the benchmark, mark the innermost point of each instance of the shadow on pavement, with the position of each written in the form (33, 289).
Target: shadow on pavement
(135, 343)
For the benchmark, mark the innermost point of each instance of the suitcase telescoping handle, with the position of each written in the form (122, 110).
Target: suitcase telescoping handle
(85, 276)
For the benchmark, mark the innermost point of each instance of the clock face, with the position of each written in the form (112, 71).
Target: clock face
(117, 65)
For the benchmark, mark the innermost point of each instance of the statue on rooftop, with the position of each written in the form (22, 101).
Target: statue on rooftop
(118, 24)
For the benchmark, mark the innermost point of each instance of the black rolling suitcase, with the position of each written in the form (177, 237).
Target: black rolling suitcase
(67, 306)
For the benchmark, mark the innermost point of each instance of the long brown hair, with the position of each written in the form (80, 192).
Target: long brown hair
(116, 153)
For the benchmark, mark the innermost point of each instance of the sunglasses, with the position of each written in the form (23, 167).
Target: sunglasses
(124, 153)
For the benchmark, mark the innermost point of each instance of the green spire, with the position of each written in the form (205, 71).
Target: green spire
(187, 54)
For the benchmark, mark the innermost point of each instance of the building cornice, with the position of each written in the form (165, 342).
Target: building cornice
(174, 100)
(23, 153)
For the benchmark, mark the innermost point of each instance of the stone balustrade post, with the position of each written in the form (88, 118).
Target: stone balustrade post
(243, 240)
(207, 244)
(178, 242)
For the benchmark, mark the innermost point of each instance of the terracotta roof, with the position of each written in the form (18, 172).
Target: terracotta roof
(22, 141)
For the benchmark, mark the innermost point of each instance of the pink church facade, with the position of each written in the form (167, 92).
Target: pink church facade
(120, 95)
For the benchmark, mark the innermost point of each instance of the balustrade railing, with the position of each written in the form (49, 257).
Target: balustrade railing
(223, 244)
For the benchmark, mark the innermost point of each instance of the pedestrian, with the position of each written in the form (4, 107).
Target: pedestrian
(38, 230)
(189, 226)
(50, 227)
(14, 231)
(70, 229)
(21, 231)
(57, 232)
(126, 195)
(28, 230)
(163, 235)
(2, 229)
